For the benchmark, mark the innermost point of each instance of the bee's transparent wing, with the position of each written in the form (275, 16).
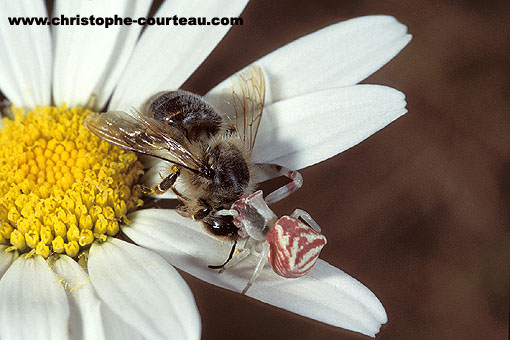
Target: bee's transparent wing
(247, 99)
(142, 134)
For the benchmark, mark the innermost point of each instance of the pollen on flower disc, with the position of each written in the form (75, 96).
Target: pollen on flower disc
(61, 187)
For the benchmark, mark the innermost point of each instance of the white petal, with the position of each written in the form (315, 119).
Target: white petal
(338, 55)
(115, 328)
(91, 58)
(25, 60)
(305, 130)
(31, 294)
(90, 318)
(6, 259)
(143, 290)
(326, 294)
(85, 320)
(167, 55)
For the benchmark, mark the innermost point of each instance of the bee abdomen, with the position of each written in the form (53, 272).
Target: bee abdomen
(185, 111)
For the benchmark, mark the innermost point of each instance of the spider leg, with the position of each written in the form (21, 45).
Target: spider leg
(258, 269)
(298, 213)
(287, 189)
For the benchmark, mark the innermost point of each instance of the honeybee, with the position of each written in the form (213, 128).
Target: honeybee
(207, 150)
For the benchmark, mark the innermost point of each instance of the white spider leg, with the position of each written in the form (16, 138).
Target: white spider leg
(287, 189)
(228, 212)
(307, 218)
(259, 267)
(236, 259)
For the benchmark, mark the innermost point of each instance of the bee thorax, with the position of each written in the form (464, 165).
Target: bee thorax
(231, 174)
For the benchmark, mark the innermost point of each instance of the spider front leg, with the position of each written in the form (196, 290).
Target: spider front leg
(164, 185)
(262, 259)
(298, 213)
(287, 189)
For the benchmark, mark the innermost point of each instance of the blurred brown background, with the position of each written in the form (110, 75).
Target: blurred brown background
(419, 212)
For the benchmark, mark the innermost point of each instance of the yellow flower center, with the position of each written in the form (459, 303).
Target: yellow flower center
(61, 187)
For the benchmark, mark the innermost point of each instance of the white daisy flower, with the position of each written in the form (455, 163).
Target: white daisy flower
(129, 291)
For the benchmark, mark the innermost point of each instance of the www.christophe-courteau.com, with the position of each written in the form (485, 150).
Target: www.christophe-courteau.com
(116, 20)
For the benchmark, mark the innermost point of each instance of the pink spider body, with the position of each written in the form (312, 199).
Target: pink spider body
(294, 246)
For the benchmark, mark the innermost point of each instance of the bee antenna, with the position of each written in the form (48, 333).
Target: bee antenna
(229, 257)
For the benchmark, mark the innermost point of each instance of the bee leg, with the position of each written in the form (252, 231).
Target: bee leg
(164, 185)
(180, 196)
(298, 213)
(6, 109)
(287, 189)
(183, 211)
(259, 267)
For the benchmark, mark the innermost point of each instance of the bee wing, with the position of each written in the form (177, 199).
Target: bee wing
(248, 93)
(142, 134)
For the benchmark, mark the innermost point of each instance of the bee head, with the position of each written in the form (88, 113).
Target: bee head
(220, 225)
